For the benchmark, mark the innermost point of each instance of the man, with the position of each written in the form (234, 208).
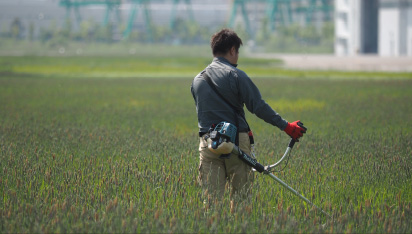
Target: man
(235, 89)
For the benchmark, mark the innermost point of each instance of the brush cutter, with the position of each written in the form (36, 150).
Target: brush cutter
(220, 141)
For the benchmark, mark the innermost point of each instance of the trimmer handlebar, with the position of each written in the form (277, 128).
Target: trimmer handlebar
(251, 161)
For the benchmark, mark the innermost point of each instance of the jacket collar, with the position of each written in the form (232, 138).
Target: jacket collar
(223, 60)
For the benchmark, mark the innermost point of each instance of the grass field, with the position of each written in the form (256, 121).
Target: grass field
(97, 144)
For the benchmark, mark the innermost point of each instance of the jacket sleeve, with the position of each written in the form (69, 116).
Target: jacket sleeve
(252, 98)
(193, 94)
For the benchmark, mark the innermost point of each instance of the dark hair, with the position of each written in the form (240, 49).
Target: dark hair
(222, 41)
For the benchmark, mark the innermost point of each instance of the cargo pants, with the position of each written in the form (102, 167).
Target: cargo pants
(214, 172)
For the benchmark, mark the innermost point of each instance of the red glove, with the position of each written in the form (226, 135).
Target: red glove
(294, 130)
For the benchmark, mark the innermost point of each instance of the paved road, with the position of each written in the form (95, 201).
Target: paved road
(352, 63)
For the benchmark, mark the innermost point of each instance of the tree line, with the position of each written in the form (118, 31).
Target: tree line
(287, 38)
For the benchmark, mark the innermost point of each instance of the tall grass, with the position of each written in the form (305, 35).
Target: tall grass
(80, 154)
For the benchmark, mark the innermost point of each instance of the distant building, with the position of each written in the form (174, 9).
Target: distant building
(382, 27)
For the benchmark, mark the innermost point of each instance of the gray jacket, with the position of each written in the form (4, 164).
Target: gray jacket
(238, 89)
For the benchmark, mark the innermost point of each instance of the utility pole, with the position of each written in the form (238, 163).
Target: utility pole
(173, 17)
(132, 16)
(242, 5)
(76, 4)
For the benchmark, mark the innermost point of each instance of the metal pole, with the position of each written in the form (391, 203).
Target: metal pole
(266, 170)
(295, 192)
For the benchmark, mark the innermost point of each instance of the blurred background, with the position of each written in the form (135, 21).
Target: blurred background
(377, 28)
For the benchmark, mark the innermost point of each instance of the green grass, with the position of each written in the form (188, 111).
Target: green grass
(166, 65)
(80, 153)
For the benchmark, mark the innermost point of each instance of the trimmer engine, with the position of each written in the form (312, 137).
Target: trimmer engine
(221, 138)
(223, 132)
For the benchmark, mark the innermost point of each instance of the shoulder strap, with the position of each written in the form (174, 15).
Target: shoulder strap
(209, 81)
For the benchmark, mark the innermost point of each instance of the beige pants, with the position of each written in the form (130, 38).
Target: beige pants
(214, 172)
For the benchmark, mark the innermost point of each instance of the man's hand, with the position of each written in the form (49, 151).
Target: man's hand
(294, 130)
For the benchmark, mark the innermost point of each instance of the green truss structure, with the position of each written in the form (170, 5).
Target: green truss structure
(173, 16)
(282, 11)
(111, 6)
(277, 12)
(133, 15)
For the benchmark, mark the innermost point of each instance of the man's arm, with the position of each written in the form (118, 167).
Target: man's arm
(255, 104)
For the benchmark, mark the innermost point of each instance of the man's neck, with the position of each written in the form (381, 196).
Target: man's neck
(228, 59)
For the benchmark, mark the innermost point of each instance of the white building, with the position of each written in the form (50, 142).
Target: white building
(382, 27)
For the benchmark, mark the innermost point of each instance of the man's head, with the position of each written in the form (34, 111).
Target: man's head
(226, 43)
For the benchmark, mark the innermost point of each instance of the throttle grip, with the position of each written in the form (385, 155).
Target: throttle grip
(291, 142)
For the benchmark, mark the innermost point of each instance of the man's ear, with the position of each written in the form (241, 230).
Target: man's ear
(233, 51)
